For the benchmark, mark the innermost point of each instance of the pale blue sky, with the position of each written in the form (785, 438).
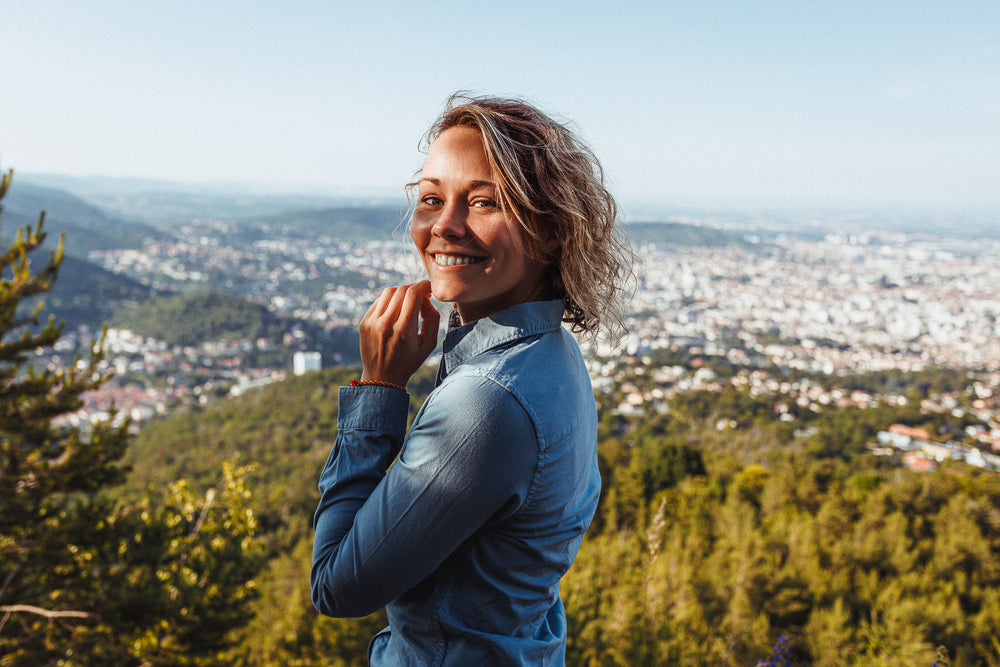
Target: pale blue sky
(836, 101)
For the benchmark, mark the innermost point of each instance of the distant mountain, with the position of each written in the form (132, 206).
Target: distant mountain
(86, 227)
(680, 234)
(172, 203)
(86, 294)
(182, 207)
(356, 223)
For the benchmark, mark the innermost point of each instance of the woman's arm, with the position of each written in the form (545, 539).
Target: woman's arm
(468, 459)
(470, 454)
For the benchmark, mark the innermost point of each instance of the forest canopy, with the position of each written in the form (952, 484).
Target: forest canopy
(709, 544)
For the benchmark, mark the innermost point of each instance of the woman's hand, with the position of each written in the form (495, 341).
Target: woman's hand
(393, 341)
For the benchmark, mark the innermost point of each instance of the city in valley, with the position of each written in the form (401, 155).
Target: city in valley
(819, 309)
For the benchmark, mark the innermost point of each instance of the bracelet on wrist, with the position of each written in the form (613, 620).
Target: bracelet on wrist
(358, 382)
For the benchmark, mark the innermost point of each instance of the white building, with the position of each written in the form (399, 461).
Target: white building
(305, 362)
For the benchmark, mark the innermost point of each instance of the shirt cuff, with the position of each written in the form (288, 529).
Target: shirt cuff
(373, 408)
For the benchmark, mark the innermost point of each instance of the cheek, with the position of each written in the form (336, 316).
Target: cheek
(418, 234)
(506, 244)
(421, 237)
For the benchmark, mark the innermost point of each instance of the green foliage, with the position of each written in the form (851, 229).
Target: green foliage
(198, 317)
(857, 567)
(167, 578)
(789, 530)
(190, 319)
(84, 580)
(286, 430)
(287, 630)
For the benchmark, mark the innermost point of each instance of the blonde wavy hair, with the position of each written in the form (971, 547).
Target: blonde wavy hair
(553, 185)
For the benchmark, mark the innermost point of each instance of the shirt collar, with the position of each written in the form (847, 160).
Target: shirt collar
(502, 328)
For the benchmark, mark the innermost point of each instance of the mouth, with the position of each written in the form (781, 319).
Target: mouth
(455, 260)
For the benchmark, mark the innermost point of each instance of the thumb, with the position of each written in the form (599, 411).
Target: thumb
(429, 326)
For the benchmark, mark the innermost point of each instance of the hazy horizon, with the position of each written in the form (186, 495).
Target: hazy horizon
(638, 208)
(770, 101)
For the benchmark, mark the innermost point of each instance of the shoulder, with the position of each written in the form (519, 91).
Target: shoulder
(473, 424)
(472, 397)
(550, 354)
(543, 375)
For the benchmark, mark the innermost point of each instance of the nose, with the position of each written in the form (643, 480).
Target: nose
(451, 224)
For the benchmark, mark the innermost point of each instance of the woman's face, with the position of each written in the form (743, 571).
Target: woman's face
(473, 252)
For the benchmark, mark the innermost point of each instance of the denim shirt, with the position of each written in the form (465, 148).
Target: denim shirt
(463, 528)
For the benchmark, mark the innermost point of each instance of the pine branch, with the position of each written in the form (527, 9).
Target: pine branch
(10, 610)
(47, 613)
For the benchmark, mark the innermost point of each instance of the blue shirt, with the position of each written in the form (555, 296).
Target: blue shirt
(463, 528)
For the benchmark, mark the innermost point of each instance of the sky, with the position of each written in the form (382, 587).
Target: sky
(837, 102)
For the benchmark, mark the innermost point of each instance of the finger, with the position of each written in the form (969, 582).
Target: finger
(369, 317)
(380, 303)
(412, 307)
(403, 324)
(427, 308)
(391, 303)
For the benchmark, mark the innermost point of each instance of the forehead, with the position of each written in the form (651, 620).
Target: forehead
(458, 153)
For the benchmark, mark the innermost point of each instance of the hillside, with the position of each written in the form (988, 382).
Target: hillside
(681, 234)
(285, 430)
(191, 319)
(197, 317)
(722, 538)
(86, 227)
(86, 294)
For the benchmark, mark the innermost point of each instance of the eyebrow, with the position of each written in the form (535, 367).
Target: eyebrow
(473, 184)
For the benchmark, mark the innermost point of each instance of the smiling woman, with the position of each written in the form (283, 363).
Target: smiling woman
(473, 250)
(551, 186)
(464, 525)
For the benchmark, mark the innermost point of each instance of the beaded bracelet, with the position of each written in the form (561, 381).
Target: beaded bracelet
(358, 382)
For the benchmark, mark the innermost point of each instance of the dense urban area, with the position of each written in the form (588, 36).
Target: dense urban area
(828, 309)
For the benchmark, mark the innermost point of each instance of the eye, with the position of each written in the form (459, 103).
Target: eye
(485, 203)
(431, 200)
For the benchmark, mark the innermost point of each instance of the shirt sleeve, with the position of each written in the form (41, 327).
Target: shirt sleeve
(468, 459)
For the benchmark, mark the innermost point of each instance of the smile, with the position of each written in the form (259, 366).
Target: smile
(456, 260)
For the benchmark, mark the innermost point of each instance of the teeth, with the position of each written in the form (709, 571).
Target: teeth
(455, 260)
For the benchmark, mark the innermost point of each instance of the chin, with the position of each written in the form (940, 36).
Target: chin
(445, 293)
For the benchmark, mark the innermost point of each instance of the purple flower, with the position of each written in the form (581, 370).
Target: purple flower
(780, 655)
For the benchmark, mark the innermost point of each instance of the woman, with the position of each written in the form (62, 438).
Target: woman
(464, 526)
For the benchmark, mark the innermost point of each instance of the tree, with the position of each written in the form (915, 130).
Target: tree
(85, 579)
